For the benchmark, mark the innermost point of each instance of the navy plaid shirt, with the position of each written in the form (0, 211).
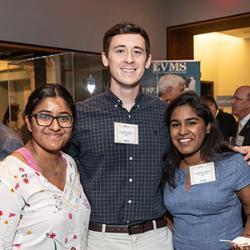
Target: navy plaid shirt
(121, 181)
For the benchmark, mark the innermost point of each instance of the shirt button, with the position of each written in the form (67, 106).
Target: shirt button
(129, 116)
(130, 180)
(116, 105)
(129, 201)
(130, 158)
(138, 106)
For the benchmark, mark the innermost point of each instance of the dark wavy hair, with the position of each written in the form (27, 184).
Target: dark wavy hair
(213, 146)
(124, 28)
(48, 90)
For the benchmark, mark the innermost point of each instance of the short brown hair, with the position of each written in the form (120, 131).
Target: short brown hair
(124, 28)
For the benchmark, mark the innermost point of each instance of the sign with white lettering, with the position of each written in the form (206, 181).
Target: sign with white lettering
(187, 70)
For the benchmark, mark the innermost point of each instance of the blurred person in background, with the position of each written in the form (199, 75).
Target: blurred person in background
(225, 121)
(10, 118)
(170, 86)
(241, 109)
(9, 141)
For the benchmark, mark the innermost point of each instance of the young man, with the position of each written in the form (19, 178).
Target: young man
(119, 142)
(225, 121)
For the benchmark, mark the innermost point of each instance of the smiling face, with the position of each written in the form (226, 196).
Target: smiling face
(51, 138)
(127, 60)
(187, 132)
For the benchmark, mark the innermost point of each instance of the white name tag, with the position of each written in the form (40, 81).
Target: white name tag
(202, 173)
(239, 140)
(71, 196)
(126, 133)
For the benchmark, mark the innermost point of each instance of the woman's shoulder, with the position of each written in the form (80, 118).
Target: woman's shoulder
(232, 160)
(11, 164)
(13, 168)
(18, 176)
(228, 157)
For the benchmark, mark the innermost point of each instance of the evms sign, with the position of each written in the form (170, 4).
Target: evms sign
(189, 70)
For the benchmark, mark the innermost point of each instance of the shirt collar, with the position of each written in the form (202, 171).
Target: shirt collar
(217, 112)
(116, 100)
(244, 120)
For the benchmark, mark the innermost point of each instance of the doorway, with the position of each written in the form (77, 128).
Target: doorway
(180, 38)
(181, 46)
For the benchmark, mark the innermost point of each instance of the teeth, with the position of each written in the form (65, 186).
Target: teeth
(128, 70)
(184, 140)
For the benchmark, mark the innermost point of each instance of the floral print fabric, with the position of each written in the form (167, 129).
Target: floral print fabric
(35, 214)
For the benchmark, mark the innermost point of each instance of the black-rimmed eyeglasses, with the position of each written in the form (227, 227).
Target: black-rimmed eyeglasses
(45, 120)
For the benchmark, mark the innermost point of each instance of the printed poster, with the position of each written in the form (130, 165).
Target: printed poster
(189, 70)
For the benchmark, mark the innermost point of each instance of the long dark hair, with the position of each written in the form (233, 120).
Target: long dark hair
(213, 145)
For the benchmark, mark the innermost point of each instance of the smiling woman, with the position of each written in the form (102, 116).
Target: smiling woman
(50, 123)
(43, 200)
(205, 182)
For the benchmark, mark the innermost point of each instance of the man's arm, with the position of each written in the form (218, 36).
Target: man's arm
(9, 144)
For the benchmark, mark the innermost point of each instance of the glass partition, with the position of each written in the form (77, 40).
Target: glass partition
(81, 73)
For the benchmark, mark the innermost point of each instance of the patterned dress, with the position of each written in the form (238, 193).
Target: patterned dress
(35, 214)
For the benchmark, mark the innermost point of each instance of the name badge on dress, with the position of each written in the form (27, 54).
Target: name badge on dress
(202, 173)
(239, 140)
(71, 196)
(126, 133)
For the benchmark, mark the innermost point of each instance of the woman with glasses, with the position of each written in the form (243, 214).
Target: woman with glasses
(43, 205)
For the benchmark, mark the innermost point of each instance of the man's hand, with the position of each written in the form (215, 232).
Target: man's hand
(245, 150)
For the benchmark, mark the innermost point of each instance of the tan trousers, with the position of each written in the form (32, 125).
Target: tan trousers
(156, 239)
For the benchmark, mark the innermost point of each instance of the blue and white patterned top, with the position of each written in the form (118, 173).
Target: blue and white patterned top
(210, 211)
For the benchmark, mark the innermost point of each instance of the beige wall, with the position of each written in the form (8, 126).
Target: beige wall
(181, 12)
(79, 24)
(224, 59)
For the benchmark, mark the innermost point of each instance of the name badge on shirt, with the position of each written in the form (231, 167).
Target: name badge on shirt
(202, 173)
(239, 140)
(126, 133)
(71, 196)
